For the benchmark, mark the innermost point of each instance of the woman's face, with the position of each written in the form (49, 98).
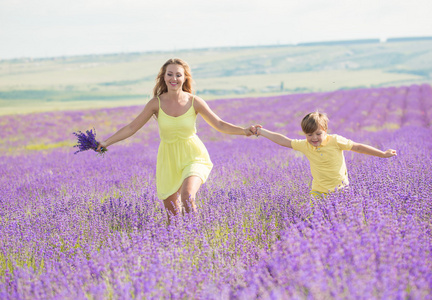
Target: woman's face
(174, 77)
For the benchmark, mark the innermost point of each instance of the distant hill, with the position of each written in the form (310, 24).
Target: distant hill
(128, 78)
(409, 39)
(367, 41)
(345, 42)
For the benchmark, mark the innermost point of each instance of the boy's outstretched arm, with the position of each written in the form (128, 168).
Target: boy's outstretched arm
(274, 136)
(369, 150)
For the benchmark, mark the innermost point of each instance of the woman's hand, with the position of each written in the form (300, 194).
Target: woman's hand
(390, 153)
(100, 146)
(251, 130)
(257, 130)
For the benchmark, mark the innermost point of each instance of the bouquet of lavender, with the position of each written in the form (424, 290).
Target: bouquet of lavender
(87, 141)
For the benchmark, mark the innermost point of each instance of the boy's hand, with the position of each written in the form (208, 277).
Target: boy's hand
(258, 132)
(258, 129)
(390, 153)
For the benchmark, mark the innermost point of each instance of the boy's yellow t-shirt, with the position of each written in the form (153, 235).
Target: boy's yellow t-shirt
(327, 162)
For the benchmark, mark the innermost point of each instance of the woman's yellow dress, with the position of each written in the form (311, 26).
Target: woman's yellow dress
(181, 153)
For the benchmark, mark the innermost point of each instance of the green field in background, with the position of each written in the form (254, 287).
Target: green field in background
(76, 82)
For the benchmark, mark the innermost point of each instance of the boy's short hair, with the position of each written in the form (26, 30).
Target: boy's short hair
(314, 121)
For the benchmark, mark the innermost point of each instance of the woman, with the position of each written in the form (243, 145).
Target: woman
(183, 163)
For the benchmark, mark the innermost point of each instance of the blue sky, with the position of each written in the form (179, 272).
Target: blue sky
(46, 28)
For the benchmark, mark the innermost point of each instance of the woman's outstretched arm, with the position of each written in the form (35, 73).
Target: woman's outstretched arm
(217, 123)
(150, 109)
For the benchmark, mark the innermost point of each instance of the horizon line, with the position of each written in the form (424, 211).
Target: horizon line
(315, 43)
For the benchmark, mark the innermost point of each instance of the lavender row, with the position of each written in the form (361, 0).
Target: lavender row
(349, 110)
(82, 226)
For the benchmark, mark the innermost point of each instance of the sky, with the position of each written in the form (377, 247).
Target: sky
(49, 28)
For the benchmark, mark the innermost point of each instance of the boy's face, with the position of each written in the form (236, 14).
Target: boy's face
(317, 137)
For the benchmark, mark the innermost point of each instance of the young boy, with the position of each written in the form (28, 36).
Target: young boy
(324, 152)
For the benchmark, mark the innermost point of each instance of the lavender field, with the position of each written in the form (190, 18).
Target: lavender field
(90, 227)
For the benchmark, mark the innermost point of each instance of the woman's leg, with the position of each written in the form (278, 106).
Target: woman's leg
(186, 195)
(188, 192)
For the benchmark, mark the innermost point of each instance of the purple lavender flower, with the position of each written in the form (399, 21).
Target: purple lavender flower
(76, 227)
(87, 141)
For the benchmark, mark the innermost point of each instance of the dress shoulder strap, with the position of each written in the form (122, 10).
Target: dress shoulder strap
(158, 100)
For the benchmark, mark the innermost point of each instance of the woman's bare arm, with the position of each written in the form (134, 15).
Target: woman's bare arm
(149, 110)
(217, 123)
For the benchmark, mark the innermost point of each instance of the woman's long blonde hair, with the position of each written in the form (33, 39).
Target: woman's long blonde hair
(161, 86)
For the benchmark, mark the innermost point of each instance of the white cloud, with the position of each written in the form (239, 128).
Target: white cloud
(58, 27)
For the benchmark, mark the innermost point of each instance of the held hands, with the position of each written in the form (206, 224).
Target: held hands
(390, 153)
(253, 130)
